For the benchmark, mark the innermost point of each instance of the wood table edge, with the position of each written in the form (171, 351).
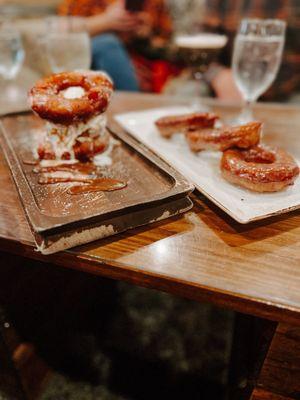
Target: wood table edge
(114, 270)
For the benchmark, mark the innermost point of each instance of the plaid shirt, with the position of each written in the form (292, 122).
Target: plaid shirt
(225, 15)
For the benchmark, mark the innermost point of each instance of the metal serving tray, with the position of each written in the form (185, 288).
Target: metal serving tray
(59, 220)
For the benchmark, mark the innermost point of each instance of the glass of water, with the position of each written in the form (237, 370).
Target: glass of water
(11, 59)
(256, 58)
(11, 53)
(67, 49)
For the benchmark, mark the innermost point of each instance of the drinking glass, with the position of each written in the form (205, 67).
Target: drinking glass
(67, 49)
(199, 51)
(11, 54)
(11, 59)
(256, 59)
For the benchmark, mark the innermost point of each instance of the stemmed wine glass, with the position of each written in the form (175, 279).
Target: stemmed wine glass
(11, 60)
(68, 46)
(199, 50)
(256, 59)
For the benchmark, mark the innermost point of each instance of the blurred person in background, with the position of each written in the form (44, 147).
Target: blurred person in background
(224, 16)
(117, 32)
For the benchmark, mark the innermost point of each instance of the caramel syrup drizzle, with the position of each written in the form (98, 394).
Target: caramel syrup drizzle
(107, 185)
(30, 162)
(78, 167)
(90, 184)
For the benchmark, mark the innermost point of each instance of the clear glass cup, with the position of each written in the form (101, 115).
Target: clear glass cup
(11, 53)
(198, 51)
(197, 46)
(68, 51)
(68, 46)
(256, 59)
(63, 24)
(12, 56)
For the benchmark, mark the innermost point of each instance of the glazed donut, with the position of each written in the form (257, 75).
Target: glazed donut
(48, 101)
(243, 136)
(259, 169)
(167, 126)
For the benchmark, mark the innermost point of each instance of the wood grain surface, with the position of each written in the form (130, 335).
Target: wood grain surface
(203, 255)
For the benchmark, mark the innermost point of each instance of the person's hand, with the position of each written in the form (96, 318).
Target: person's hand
(117, 18)
(144, 27)
(225, 87)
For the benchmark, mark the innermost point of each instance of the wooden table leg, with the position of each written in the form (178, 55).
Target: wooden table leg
(260, 394)
(280, 374)
(251, 340)
(10, 383)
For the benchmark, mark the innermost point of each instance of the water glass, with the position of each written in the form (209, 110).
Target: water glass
(63, 24)
(68, 51)
(199, 50)
(68, 46)
(256, 58)
(11, 53)
(11, 59)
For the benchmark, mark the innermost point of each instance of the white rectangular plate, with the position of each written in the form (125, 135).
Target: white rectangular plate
(203, 170)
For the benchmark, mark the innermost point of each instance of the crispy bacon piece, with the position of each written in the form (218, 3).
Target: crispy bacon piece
(84, 151)
(45, 151)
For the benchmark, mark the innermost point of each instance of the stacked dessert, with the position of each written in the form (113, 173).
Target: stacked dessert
(74, 105)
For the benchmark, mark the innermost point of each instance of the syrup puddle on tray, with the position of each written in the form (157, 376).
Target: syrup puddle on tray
(80, 167)
(85, 173)
(107, 185)
(30, 162)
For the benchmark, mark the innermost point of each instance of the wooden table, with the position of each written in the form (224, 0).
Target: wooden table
(203, 255)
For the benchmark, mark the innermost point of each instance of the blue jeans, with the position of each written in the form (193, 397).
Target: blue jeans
(110, 55)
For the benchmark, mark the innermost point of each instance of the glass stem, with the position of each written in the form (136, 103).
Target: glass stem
(3, 86)
(247, 114)
(197, 104)
(198, 81)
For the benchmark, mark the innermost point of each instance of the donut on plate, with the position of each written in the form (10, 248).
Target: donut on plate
(260, 169)
(170, 125)
(243, 136)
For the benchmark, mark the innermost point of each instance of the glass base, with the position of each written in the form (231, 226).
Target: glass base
(244, 117)
(197, 105)
(13, 96)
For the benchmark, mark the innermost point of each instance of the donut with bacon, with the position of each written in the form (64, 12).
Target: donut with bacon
(260, 169)
(243, 136)
(73, 103)
(172, 124)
